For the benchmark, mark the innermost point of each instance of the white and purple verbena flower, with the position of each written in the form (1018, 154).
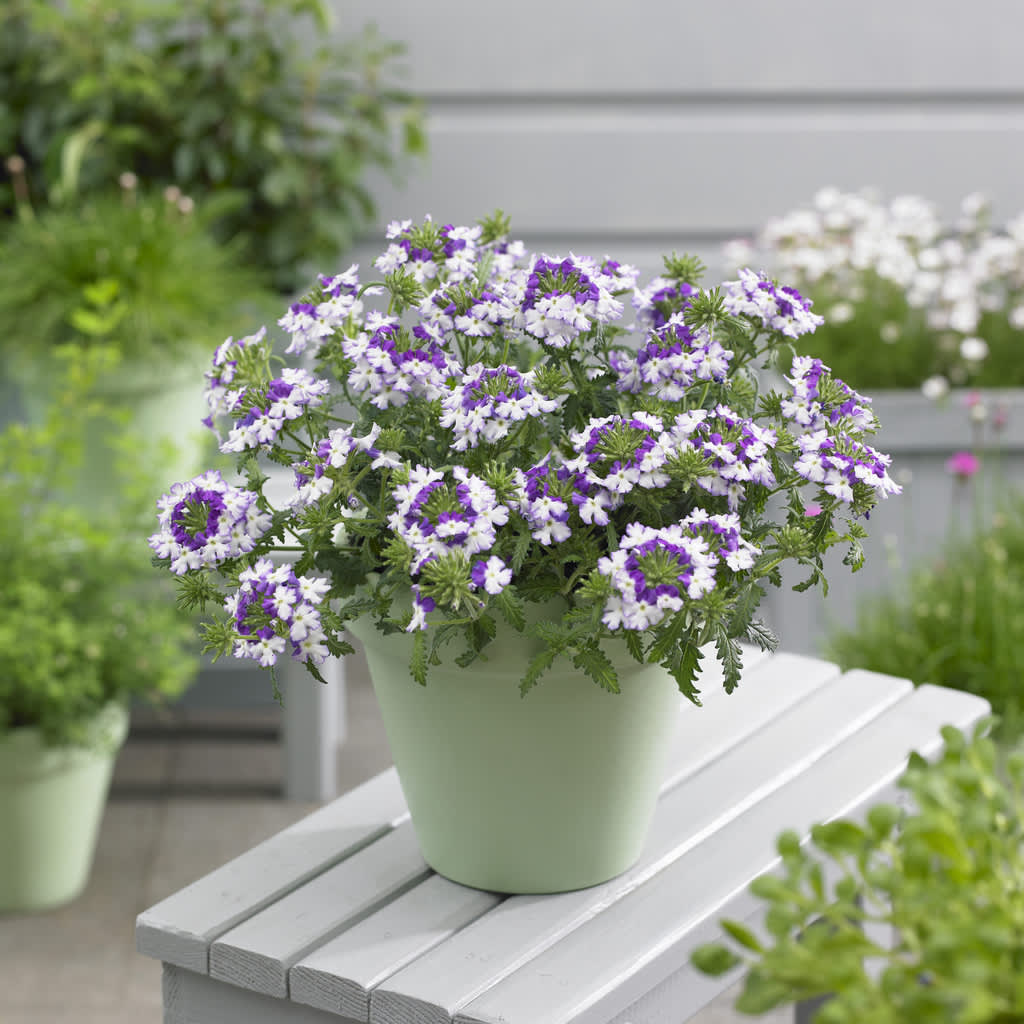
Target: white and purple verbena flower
(205, 522)
(264, 414)
(654, 571)
(779, 309)
(436, 519)
(485, 430)
(672, 361)
(276, 612)
(487, 403)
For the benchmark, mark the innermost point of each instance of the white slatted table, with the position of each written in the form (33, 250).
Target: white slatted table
(338, 919)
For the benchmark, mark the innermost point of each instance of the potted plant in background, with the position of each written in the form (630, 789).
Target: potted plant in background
(540, 522)
(85, 628)
(136, 271)
(928, 316)
(941, 882)
(266, 114)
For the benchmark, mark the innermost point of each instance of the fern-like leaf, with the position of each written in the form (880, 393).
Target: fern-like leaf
(595, 663)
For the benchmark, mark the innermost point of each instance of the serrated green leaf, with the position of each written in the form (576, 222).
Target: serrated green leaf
(537, 667)
(635, 645)
(746, 605)
(730, 655)
(595, 663)
(520, 551)
(668, 639)
(512, 608)
(684, 664)
(758, 633)
(418, 663)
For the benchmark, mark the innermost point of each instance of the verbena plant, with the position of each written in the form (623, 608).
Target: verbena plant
(955, 622)
(909, 301)
(480, 436)
(264, 103)
(84, 621)
(944, 880)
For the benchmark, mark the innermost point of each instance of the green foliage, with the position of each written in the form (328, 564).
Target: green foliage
(128, 270)
(956, 622)
(263, 104)
(85, 621)
(945, 880)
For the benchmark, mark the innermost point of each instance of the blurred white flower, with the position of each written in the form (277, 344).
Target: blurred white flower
(973, 349)
(935, 388)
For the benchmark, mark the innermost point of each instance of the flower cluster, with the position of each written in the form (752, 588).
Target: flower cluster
(671, 361)
(275, 611)
(780, 309)
(654, 570)
(498, 435)
(436, 519)
(264, 414)
(486, 404)
(206, 522)
(310, 323)
(910, 301)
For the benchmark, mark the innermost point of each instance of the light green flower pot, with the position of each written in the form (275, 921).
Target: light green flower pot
(159, 403)
(51, 805)
(546, 792)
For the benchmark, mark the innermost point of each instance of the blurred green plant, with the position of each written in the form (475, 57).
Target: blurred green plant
(141, 272)
(261, 102)
(944, 880)
(957, 622)
(85, 621)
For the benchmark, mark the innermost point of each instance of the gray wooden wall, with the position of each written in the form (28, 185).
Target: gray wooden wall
(637, 128)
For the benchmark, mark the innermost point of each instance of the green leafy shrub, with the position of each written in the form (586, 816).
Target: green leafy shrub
(141, 272)
(84, 620)
(945, 880)
(260, 102)
(958, 622)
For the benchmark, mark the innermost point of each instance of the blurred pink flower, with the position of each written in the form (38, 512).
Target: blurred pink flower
(963, 465)
(812, 509)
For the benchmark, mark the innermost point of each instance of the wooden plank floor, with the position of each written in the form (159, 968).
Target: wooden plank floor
(179, 811)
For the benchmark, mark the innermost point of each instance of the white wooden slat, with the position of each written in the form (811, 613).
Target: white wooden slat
(433, 989)
(258, 953)
(873, 47)
(614, 958)
(191, 998)
(179, 929)
(670, 173)
(340, 975)
(769, 688)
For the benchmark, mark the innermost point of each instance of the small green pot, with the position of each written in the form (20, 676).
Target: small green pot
(51, 805)
(546, 792)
